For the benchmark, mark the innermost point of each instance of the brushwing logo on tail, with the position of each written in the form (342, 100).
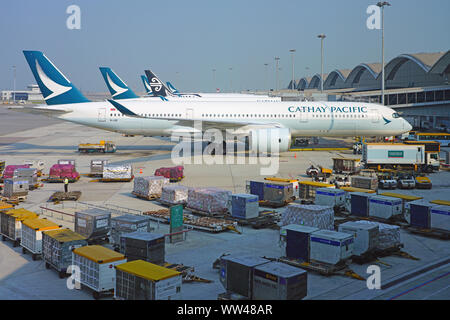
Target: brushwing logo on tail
(117, 89)
(155, 84)
(51, 85)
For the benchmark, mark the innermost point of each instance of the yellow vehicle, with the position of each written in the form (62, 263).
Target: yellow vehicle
(103, 146)
(423, 182)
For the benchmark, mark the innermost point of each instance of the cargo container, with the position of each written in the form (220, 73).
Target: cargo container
(321, 217)
(331, 247)
(278, 192)
(126, 224)
(279, 281)
(29, 174)
(440, 218)
(236, 273)
(308, 189)
(365, 236)
(149, 186)
(359, 203)
(405, 200)
(384, 207)
(96, 265)
(244, 206)
(5, 207)
(298, 241)
(174, 194)
(330, 197)
(145, 246)
(141, 280)
(388, 235)
(97, 167)
(257, 188)
(364, 182)
(293, 181)
(15, 187)
(57, 246)
(11, 227)
(58, 172)
(93, 223)
(419, 212)
(173, 173)
(67, 161)
(346, 165)
(31, 239)
(209, 201)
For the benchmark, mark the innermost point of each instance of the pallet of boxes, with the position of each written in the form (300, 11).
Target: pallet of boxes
(149, 188)
(208, 201)
(117, 173)
(173, 195)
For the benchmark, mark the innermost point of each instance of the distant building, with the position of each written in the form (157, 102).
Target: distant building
(32, 94)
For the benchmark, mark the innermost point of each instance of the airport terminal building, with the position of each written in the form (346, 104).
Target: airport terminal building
(32, 94)
(416, 85)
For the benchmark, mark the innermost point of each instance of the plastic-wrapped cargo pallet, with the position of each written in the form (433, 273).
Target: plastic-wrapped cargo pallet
(236, 273)
(96, 265)
(174, 194)
(12, 223)
(148, 186)
(145, 246)
(331, 247)
(141, 280)
(111, 171)
(31, 238)
(279, 281)
(366, 236)
(298, 241)
(15, 187)
(208, 200)
(57, 248)
(440, 218)
(93, 223)
(321, 217)
(329, 197)
(244, 206)
(127, 223)
(388, 235)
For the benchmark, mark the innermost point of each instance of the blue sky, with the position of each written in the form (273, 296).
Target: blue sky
(182, 41)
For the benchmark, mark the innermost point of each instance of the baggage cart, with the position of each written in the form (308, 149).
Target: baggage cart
(31, 240)
(11, 224)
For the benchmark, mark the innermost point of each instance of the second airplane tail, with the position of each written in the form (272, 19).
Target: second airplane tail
(118, 88)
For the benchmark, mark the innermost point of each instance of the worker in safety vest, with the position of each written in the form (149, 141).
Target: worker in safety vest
(66, 184)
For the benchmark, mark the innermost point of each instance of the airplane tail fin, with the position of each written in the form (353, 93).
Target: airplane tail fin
(157, 87)
(118, 88)
(172, 88)
(147, 87)
(55, 87)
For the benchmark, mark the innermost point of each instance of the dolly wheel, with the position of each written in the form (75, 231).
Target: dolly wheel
(96, 295)
(47, 265)
(62, 274)
(34, 257)
(24, 250)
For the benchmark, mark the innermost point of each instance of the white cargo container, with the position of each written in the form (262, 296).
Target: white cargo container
(440, 217)
(96, 265)
(365, 236)
(330, 197)
(393, 153)
(31, 239)
(384, 207)
(331, 247)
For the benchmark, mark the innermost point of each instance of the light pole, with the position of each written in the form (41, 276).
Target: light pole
(214, 80)
(14, 89)
(276, 85)
(382, 5)
(231, 79)
(293, 80)
(321, 36)
(267, 77)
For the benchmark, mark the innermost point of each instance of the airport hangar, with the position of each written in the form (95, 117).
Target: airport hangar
(416, 85)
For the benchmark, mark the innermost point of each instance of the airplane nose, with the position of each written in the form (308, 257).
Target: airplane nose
(407, 126)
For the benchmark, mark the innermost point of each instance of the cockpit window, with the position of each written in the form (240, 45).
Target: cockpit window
(395, 115)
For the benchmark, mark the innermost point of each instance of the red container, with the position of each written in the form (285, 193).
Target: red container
(63, 171)
(173, 173)
(8, 173)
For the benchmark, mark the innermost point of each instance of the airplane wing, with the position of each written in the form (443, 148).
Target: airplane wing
(206, 124)
(42, 110)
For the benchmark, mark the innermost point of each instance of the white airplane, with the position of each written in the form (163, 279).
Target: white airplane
(271, 124)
